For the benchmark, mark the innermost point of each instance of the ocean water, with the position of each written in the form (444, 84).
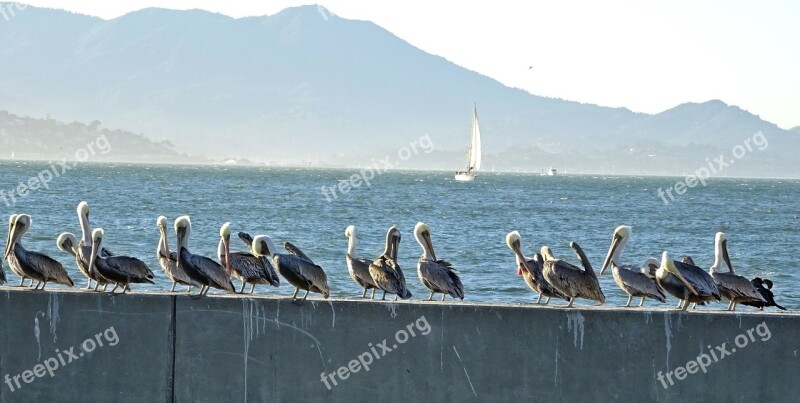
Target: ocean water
(468, 221)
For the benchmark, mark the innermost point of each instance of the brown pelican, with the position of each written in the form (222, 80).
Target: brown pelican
(765, 292)
(85, 246)
(120, 270)
(385, 271)
(200, 269)
(358, 267)
(169, 259)
(437, 275)
(247, 267)
(14, 268)
(67, 242)
(732, 287)
(634, 281)
(571, 280)
(34, 265)
(686, 282)
(531, 270)
(297, 268)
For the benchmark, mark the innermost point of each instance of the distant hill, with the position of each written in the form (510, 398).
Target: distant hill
(307, 86)
(46, 139)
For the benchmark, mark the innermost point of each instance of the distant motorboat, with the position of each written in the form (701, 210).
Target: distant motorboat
(552, 172)
(474, 153)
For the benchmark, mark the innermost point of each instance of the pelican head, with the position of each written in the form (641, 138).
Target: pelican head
(422, 233)
(547, 254)
(97, 239)
(650, 266)
(22, 222)
(83, 209)
(260, 246)
(183, 227)
(514, 242)
(67, 243)
(350, 231)
(668, 266)
(225, 234)
(392, 241)
(618, 242)
(161, 222)
(721, 251)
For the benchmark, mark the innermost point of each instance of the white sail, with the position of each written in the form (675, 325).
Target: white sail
(475, 143)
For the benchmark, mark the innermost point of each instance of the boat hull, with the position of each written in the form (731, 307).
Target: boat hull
(464, 177)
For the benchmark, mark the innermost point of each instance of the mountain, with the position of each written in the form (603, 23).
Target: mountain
(29, 138)
(306, 85)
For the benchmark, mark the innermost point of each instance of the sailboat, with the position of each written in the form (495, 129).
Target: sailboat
(474, 153)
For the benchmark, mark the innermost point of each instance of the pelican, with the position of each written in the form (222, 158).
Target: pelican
(531, 270)
(121, 270)
(732, 287)
(297, 268)
(200, 269)
(14, 268)
(437, 275)
(686, 282)
(358, 267)
(247, 267)
(85, 246)
(631, 279)
(34, 265)
(169, 259)
(765, 292)
(385, 271)
(571, 280)
(67, 242)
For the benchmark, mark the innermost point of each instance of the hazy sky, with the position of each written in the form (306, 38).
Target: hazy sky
(646, 55)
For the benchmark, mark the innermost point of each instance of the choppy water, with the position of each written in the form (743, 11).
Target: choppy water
(468, 221)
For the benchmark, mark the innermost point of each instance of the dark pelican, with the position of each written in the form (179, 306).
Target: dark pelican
(297, 268)
(249, 268)
(732, 287)
(67, 242)
(34, 265)
(531, 269)
(686, 282)
(200, 269)
(385, 271)
(169, 259)
(120, 270)
(633, 280)
(437, 275)
(14, 268)
(571, 280)
(765, 292)
(85, 247)
(358, 267)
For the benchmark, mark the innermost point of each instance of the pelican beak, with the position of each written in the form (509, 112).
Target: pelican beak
(427, 236)
(395, 247)
(523, 263)
(179, 233)
(725, 255)
(669, 266)
(611, 250)
(10, 240)
(93, 255)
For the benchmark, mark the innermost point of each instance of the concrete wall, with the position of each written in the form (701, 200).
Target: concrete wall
(266, 349)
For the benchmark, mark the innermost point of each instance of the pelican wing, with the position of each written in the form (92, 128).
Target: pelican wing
(302, 273)
(51, 269)
(359, 269)
(736, 287)
(294, 250)
(639, 284)
(213, 272)
(128, 267)
(247, 239)
(388, 276)
(248, 266)
(698, 278)
(572, 281)
(439, 276)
